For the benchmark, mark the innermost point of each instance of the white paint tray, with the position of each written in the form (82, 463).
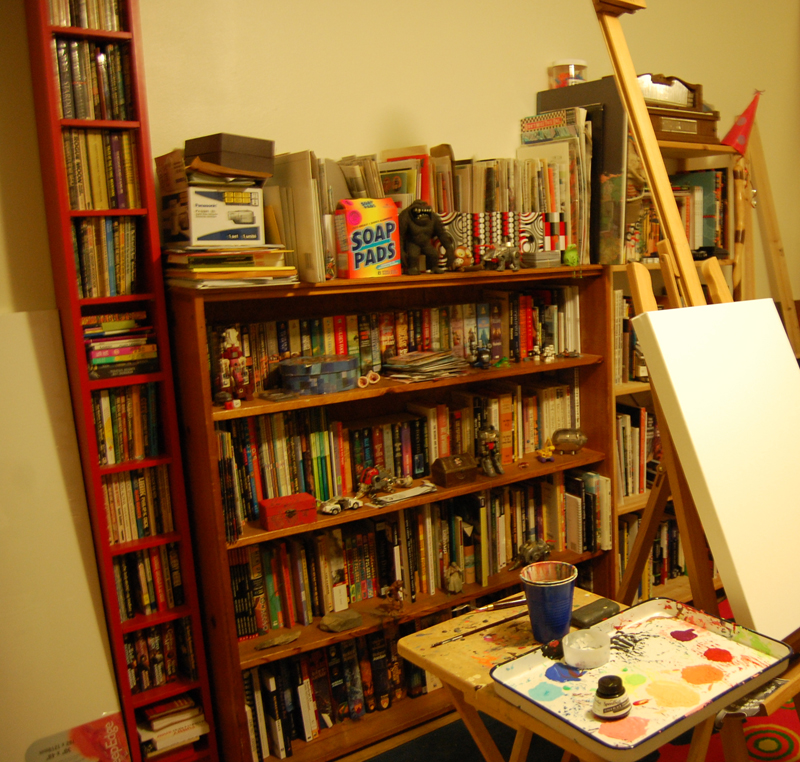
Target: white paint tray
(678, 665)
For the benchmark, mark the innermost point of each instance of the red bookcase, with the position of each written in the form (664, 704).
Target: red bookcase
(94, 144)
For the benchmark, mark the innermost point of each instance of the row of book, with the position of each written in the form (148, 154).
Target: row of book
(148, 581)
(119, 344)
(638, 445)
(101, 169)
(513, 325)
(283, 583)
(666, 559)
(126, 423)
(629, 360)
(160, 654)
(701, 198)
(137, 503)
(87, 14)
(170, 725)
(105, 256)
(295, 699)
(93, 80)
(279, 454)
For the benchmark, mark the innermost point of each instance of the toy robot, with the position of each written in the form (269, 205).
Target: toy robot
(488, 453)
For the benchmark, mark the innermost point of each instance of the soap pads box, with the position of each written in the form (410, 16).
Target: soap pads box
(367, 238)
(212, 216)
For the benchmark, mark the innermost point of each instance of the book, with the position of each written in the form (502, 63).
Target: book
(173, 735)
(340, 705)
(273, 711)
(352, 679)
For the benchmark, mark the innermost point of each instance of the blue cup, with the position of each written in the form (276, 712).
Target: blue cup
(549, 586)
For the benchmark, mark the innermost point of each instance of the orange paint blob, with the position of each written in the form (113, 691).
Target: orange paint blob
(700, 674)
(627, 729)
(669, 694)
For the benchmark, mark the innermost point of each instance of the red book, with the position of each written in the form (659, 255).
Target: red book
(287, 597)
(378, 450)
(426, 330)
(340, 334)
(158, 579)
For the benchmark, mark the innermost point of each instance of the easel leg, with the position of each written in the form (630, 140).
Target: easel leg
(522, 744)
(477, 729)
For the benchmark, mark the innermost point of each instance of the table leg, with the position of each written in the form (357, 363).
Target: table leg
(478, 730)
(522, 744)
(701, 736)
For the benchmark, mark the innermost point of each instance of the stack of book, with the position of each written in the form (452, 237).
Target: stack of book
(425, 366)
(170, 725)
(119, 344)
(228, 268)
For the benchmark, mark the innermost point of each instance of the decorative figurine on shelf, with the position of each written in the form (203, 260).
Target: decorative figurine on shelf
(374, 480)
(506, 255)
(234, 377)
(454, 578)
(394, 600)
(545, 454)
(419, 226)
(483, 358)
(531, 552)
(568, 441)
(335, 505)
(488, 452)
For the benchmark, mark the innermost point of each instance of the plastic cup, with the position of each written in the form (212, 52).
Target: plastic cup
(549, 586)
(565, 72)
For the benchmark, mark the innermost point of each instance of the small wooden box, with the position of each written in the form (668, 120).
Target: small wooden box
(454, 470)
(289, 511)
(684, 125)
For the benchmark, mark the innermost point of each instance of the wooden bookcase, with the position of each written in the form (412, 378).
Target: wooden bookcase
(192, 310)
(147, 294)
(678, 157)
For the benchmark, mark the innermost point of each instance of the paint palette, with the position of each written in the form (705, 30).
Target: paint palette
(678, 665)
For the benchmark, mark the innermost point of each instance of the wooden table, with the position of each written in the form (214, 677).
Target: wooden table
(463, 666)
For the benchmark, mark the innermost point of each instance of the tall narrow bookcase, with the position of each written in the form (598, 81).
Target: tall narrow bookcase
(234, 655)
(137, 497)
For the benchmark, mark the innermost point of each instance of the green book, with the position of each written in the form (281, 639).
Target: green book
(269, 568)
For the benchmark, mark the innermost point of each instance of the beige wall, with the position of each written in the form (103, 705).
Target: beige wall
(357, 77)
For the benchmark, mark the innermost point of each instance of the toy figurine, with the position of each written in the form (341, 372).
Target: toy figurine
(488, 452)
(374, 480)
(531, 552)
(233, 367)
(545, 454)
(419, 226)
(454, 578)
(505, 255)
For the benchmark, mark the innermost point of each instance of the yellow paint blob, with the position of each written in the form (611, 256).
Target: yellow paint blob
(669, 694)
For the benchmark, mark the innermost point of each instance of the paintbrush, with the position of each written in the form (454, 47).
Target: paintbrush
(479, 629)
(503, 604)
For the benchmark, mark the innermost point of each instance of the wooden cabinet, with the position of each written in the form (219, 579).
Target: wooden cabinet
(118, 273)
(192, 310)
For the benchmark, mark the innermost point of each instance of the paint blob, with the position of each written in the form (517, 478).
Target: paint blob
(627, 729)
(700, 674)
(634, 679)
(669, 694)
(684, 635)
(718, 654)
(545, 692)
(561, 673)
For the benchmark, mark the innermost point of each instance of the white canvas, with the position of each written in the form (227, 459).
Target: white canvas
(729, 385)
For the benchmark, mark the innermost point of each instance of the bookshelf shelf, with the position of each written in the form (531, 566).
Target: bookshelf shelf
(191, 311)
(124, 238)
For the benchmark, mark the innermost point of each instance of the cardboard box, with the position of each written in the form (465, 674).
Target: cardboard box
(367, 238)
(234, 151)
(289, 511)
(212, 216)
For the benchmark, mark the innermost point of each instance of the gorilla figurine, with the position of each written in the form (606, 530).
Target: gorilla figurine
(419, 227)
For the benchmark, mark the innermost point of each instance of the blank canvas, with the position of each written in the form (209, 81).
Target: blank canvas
(729, 385)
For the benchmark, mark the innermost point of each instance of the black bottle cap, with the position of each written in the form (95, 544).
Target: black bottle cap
(610, 686)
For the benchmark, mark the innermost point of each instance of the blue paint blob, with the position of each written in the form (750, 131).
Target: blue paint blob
(561, 673)
(545, 692)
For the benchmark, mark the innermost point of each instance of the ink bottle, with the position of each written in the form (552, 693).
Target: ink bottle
(610, 701)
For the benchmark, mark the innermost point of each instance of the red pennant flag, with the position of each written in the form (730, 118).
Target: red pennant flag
(739, 134)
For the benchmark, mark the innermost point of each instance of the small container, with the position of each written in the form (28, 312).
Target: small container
(565, 72)
(320, 375)
(610, 701)
(586, 649)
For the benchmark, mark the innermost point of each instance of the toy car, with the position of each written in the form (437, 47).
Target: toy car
(335, 505)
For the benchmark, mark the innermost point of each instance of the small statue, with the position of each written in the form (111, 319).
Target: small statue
(505, 255)
(531, 552)
(394, 599)
(454, 578)
(488, 452)
(374, 480)
(419, 226)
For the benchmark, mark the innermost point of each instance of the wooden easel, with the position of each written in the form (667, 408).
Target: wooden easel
(684, 288)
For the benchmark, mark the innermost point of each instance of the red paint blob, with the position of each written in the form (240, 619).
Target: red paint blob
(684, 635)
(718, 654)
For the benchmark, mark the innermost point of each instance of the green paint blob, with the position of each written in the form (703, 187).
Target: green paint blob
(635, 679)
